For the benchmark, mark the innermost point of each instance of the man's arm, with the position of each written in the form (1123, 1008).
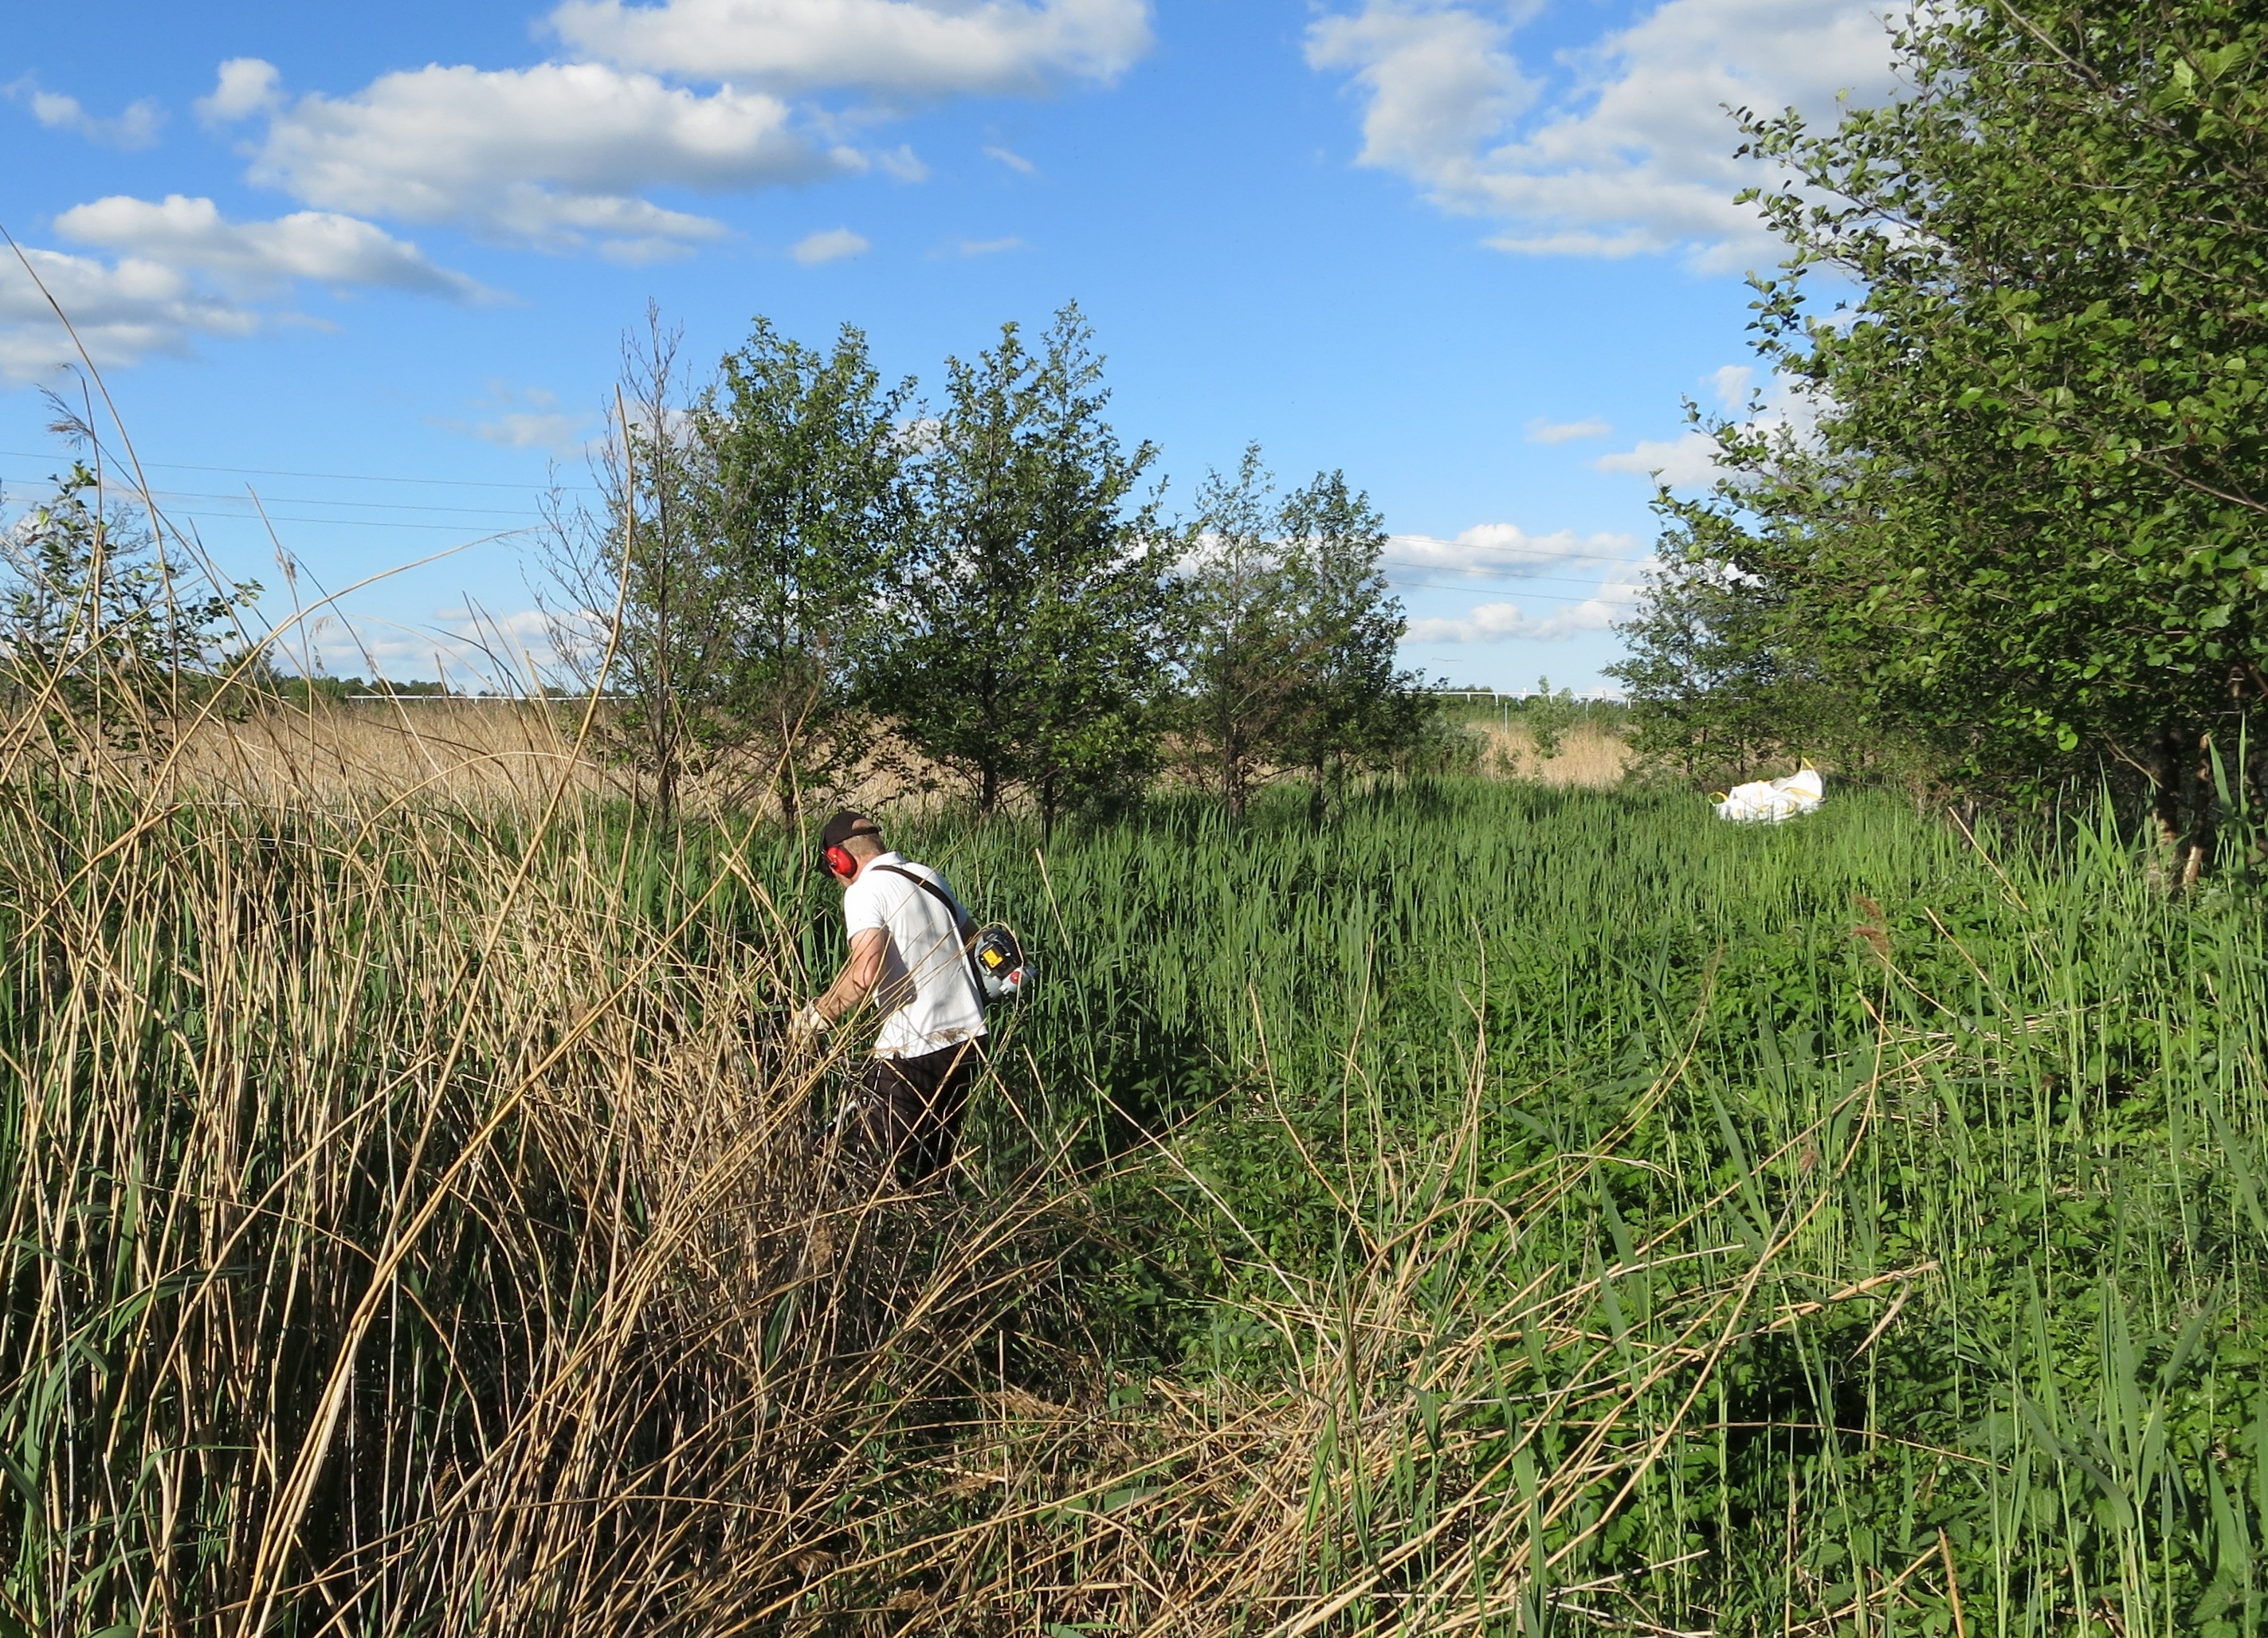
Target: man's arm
(859, 974)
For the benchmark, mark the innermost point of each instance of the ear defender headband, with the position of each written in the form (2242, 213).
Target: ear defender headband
(837, 858)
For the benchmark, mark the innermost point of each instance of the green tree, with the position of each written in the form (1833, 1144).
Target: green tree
(644, 597)
(814, 513)
(1027, 654)
(1359, 708)
(2027, 525)
(1242, 656)
(1289, 636)
(102, 636)
(730, 595)
(1720, 679)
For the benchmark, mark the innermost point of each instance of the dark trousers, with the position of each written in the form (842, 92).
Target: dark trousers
(908, 1109)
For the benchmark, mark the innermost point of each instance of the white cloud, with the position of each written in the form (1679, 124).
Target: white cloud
(1496, 622)
(1013, 160)
(1631, 149)
(567, 155)
(182, 270)
(1440, 83)
(1505, 550)
(908, 47)
(1731, 383)
(1488, 622)
(1684, 462)
(982, 246)
(1541, 431)
(471, 648)
(529, 418)
(554, 154)
(530, 429)
(135, 127)
(1689, 461)
(903, 163)
(123, 311)
(246, 86)
(832, 245)
(260, 257)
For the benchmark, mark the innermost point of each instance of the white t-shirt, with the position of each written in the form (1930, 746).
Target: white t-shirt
(925, 996)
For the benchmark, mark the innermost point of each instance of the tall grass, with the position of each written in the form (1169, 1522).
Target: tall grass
(1852, 1224)
(1499, 1209)
(405, 1237)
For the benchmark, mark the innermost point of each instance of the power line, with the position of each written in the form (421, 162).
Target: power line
(350, 522)
(164, 495)
(350, 477)
(1538, 553)
(249, 513)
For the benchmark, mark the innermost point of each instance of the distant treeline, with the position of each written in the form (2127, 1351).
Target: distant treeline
(286, 688)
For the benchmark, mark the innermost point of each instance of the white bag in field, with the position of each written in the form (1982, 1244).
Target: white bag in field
(1769, 801)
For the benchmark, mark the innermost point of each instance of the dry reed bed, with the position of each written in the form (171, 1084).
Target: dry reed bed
(413, 750)
(1589, 755)
(402, 1238)
(479, 752)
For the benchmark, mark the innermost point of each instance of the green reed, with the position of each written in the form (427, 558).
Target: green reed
(1987, 1112)
(1495, 1209)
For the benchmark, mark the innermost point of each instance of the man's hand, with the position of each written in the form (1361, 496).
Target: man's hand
(807, 1029)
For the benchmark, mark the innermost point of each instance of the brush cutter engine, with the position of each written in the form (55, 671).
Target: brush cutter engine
(997, 962)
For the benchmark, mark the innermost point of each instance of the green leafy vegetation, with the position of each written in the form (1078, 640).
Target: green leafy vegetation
(102, 639)
(798, 580)
(2010, 516)
(1523, 1210)
(1286, 651)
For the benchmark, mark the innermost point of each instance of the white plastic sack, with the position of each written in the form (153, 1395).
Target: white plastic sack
(1769, 801)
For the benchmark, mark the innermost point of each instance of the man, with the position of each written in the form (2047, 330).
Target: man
(907, 954)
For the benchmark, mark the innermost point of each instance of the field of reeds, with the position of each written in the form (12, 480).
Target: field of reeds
(1498, 1208)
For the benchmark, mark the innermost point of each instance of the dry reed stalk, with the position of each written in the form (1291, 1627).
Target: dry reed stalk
(1590, 756)
(1429, 1439)
(472, 754)
(413, 1109)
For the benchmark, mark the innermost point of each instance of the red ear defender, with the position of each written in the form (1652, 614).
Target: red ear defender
(840, 863)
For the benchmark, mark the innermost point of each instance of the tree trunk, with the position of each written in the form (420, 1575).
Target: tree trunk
(2184, 802)
(785, 789)
(2204, 808)
(665, 788)
(2165, 788)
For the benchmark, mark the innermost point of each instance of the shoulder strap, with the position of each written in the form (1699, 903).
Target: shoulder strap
(963, 929)
(961, 922)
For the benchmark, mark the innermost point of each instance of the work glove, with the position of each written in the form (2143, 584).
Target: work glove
(807, 1029)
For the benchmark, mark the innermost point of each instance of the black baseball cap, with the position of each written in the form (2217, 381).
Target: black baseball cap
(845, 824)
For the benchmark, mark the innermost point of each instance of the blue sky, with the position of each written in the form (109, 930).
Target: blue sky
(376, 264)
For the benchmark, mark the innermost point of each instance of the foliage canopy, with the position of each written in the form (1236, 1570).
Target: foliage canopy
(2019, 513)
